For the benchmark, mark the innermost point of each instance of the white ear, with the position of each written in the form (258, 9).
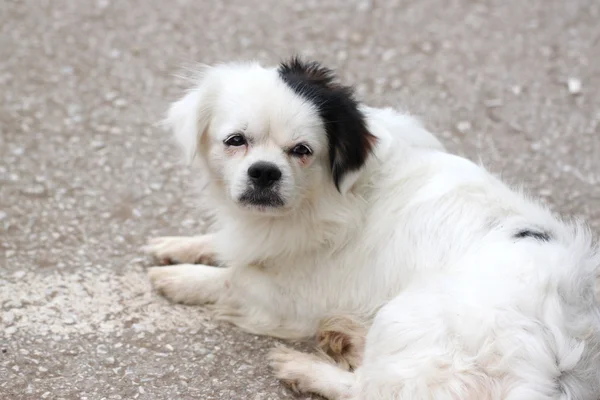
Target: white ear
(188, 119)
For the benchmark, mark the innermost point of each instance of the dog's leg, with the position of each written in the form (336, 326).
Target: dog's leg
(310, 374)
(241, 296)
(342, 338)
(182, 249)
(190, 283)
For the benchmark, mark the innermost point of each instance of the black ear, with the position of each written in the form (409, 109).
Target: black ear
(350, 142)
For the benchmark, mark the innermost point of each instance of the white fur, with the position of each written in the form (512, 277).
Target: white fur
(420, 242)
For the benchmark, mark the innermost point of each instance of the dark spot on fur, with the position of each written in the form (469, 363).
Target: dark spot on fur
(528, 233)
(350, 142)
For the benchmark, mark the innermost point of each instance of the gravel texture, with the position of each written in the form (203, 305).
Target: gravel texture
(86, 176)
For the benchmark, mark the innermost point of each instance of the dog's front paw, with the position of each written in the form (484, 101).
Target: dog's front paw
(170, 282)
(181, 250)
(292, 367)
(189, 284)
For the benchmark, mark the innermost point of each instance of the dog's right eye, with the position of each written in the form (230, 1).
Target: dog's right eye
(235, 140)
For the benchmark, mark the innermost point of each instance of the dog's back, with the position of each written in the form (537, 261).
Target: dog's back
(501, 301)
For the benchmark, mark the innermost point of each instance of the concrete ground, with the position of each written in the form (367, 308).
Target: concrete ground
(86, 176)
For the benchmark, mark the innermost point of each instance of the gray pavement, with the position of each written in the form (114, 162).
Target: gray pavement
(86, 176)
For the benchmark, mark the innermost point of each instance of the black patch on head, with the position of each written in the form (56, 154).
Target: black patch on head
(535, 234)
(350, 142)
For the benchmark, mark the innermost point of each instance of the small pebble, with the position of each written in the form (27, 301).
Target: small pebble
(463, 126)
(97, 144)
(120, 103)
(8, 318)
(34, 190)
(493, 103)
(110, 96)
(19, 274)
(517, 90)
(574, 86)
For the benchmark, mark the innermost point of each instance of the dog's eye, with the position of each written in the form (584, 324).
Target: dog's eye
(235, 140)
(301, 150)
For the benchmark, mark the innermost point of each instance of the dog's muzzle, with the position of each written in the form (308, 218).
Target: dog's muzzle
(264, 178)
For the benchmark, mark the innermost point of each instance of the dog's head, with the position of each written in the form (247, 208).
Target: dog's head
(272, 137)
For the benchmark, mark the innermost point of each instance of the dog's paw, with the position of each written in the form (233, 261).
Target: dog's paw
(307, 373)
(169, 250)
(292, 367)
(170, 282)
(188, 284)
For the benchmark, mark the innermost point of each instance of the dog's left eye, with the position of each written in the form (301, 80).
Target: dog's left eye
(301, 150)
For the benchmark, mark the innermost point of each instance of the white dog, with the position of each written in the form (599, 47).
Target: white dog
(423, 276)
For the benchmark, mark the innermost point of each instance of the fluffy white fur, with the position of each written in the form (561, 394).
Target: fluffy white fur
(419, 242)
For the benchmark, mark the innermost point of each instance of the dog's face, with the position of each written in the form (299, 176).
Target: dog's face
(272, 138)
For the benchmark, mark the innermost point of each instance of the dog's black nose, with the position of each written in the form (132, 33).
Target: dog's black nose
(264, 174)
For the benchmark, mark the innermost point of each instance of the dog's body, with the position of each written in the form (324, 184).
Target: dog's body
(468, 290)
